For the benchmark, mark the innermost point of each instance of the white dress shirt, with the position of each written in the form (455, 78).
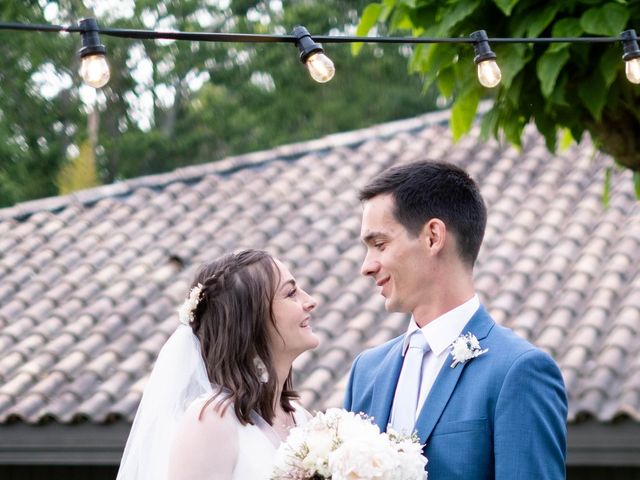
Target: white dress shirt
(440, 334)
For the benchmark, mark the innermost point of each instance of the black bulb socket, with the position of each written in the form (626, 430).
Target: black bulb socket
(90, 39)
(630, 45)
(481, 46)
(305, 43)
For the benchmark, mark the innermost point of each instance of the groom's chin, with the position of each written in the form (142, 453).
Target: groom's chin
(391, 306)
(395, 305)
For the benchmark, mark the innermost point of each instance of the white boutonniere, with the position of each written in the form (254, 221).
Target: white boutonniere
(464, 348)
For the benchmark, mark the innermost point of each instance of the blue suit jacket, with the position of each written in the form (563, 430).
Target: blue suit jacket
(499, 416)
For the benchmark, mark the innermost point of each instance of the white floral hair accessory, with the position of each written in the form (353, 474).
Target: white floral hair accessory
(465, 348)
(185, 312)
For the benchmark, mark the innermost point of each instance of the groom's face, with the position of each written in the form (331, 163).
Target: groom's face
(396, 259)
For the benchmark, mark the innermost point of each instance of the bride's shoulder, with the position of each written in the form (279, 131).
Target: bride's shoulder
(205, 444)
(205, 415)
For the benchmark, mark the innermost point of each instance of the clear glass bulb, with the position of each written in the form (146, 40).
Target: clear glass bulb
(489, 73)
(94, 70)
(632, 70)
(320, 67)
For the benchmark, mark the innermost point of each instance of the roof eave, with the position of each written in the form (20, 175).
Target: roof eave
(593, 443)
(63, 444)
(590, 443)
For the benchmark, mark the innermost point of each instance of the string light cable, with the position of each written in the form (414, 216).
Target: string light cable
(94, 68)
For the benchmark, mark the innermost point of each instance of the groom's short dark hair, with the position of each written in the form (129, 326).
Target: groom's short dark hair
(426, 190)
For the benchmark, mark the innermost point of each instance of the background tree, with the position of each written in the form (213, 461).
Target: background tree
(38, 118)
(172, 103)
(568, 88)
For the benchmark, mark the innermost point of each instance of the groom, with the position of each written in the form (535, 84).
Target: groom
(495, 410)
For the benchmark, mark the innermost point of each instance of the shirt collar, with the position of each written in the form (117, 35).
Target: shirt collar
(441, 332)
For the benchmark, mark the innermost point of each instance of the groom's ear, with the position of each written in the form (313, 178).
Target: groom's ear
(434, 234)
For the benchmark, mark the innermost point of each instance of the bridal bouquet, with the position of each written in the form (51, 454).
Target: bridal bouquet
(341, 445)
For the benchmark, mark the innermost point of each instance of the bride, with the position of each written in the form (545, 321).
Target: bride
(219, 399)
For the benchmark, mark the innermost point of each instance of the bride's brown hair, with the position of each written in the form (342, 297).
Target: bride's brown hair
(231, 323)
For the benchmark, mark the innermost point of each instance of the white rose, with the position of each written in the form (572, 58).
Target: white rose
(372, 459)
(410, 460)
(352, 427)
(316, 465)
(319, 441)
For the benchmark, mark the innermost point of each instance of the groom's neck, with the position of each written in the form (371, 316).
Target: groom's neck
(446, 292)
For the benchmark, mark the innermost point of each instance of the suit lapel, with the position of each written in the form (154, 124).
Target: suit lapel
(385, 385)
(480, 325)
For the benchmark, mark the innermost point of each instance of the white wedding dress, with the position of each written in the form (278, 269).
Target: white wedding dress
(257, 445)
(203, 447)
(170, 440)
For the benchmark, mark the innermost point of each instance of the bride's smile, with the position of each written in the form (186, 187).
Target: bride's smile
(292, 333)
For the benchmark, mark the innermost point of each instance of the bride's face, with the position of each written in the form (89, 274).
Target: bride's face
(291, 311)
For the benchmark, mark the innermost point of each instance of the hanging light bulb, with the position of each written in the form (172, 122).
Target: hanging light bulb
(312, 55)
(489, 73)
(632, 70)
(94, 68)
(320, 67)
(631, 55)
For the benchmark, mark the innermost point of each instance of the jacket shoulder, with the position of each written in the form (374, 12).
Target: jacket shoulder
(377, 353)
(509, 349)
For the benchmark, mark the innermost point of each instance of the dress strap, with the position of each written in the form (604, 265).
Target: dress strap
(265, 428)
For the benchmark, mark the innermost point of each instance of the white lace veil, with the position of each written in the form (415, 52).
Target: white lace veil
(177, 379)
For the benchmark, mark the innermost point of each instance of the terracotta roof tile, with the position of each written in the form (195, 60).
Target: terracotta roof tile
(29, 407)
(89, 289)
(105, 363)
(18, 385)
(50, 384)
(10, 362)
(71, 363)
(38, 365)
(117, 383)
(630, 317)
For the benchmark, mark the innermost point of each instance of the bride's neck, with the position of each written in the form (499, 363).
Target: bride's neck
(282, 368)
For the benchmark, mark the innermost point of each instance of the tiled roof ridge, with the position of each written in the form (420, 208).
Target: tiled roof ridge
(228, 165)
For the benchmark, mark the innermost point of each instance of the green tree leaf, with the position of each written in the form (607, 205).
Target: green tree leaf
(606, 189)
(432, 59)
(566, 139)
(512, 58)
(458, 13)
(368, 19)
(565, 28)
(447, 82)
(400, 18)
(539, 20)
(506, 5)
(608, 19)
(610, 64)
(489, 123)
(594, 94)
(547, 127)
(636, 184)
(548, 68)
(464, 109)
